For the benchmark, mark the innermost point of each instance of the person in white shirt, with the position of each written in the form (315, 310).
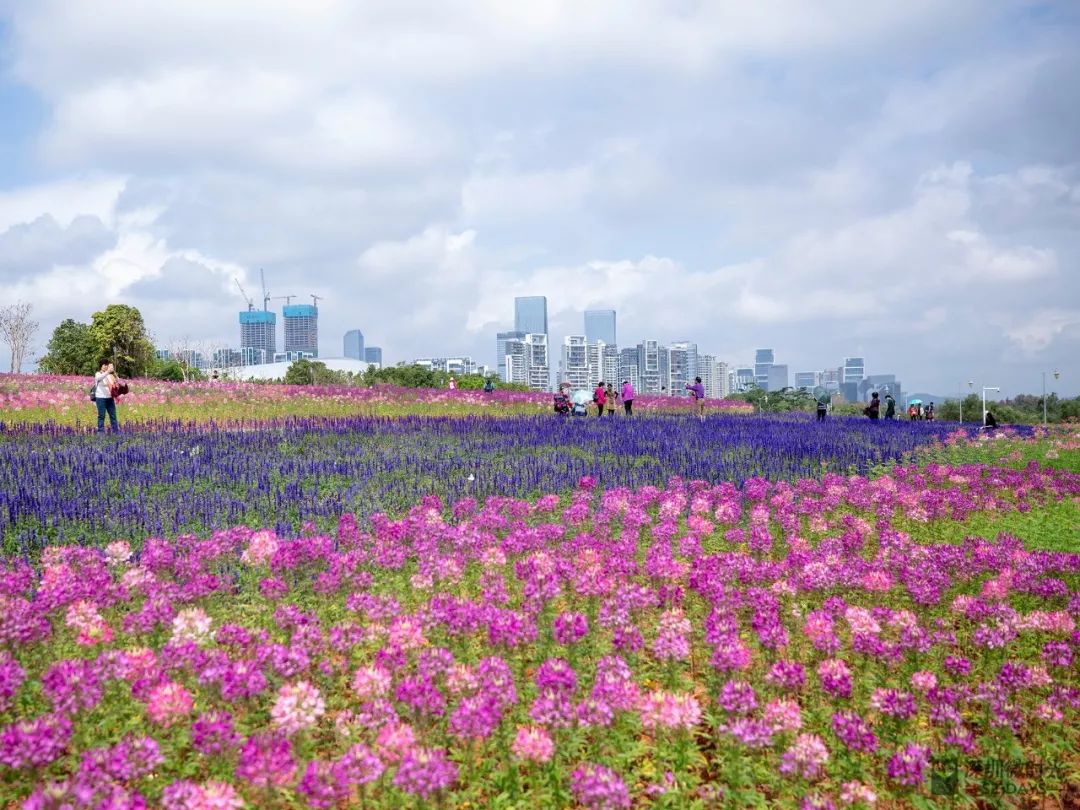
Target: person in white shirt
(104, 380)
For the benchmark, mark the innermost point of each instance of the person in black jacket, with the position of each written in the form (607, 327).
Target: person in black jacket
(873, 410)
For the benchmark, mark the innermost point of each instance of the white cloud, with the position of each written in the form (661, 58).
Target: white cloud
(812, 176)
(1038, 331)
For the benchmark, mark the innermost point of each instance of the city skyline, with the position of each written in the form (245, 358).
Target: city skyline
(900, 181)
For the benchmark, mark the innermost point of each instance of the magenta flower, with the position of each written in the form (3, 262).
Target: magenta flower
(424, 772)
(805, 757)
(533, 743)
(908, 765)
(596, 786)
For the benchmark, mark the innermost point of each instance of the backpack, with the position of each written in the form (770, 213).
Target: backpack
(93, 392)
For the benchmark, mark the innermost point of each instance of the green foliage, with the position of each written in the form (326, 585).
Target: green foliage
(71, 350)
(170, 370)
(782, 401)
(119, 336)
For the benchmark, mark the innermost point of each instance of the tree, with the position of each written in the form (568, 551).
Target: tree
(70, 351)
(300, 372)
(17, 329)
(120, 337)
(169, 370)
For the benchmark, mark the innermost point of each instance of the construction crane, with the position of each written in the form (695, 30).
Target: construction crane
(250, 303)
(286, 298)
(266, 293)
(315, 299)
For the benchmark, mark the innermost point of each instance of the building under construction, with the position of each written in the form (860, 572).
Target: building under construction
(258, 336)
(302, 329)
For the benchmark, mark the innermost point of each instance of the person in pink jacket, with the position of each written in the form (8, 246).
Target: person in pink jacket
(628, 397)
(599, 398)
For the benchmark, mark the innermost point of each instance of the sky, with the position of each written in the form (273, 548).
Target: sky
(829, 178)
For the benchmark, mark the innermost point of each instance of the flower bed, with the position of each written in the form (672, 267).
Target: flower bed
(37, 399)
(776, 644)
(60, 485)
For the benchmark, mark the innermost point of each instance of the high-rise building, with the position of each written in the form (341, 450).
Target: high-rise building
(628, 366)
(652, 367)
(807, 379)
(258, 332)
(373, 354)
(574, 366)
(600, 326)
(743, 380)
(609, 363)
(682, 367)
(854, 369)
(500, 350)
(763, 360)
(526, 362)
(706, 369)
(831, 379)
(714, 376)
(301, 329)
(778, 377)
(530, 315)
(537, 362)
(354, 344)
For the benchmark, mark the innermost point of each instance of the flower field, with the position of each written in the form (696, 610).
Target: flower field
(64, 485)
(259, 596)
(778, 644)
(35, 399)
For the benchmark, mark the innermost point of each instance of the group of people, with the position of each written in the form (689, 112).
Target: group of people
(873, 410)
(917, 413)
(605, 398)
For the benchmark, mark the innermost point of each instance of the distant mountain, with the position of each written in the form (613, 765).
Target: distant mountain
(928, 398)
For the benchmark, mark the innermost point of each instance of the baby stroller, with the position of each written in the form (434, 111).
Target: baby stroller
(582, 399)
(562, 403)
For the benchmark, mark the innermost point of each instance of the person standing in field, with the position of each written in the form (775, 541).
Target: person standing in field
(599, 397)
(609, 399)
(628, 397)
(890, 407)
(822, 407)
(697, 391)
(873, 410)
(452, 384)
(105, 381)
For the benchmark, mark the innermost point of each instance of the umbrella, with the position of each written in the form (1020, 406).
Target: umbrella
(581, 397)
(914, 402)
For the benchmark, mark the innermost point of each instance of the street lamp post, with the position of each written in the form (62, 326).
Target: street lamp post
(1057, 375)
(960, 389)
(985, 389)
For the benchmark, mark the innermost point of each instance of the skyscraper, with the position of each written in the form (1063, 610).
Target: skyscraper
(301, 329)
(354, 344)
(574, 366)
(743, 379)
(652, 367)
(683, 367)
(530, 315)
(258, 336)
(373, 354)
(854, 371)
(600, 326)
(778, 377)
(807, 379)
(763, 360)
(501, 339)
(526, 362)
